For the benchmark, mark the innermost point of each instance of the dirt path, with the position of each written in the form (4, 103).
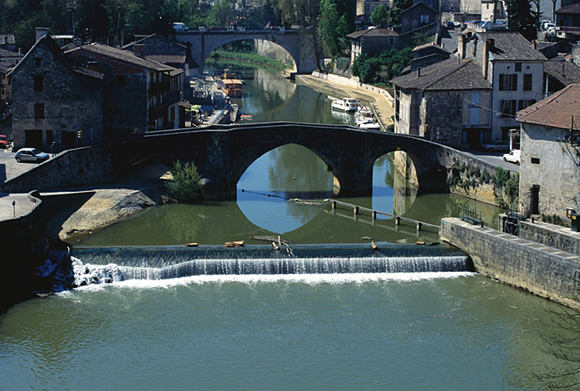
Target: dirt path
(379, 102)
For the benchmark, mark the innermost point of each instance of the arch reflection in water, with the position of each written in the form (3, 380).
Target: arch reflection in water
(287, 172)
(392, 192)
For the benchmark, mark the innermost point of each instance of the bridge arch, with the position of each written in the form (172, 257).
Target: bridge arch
(223, 153)
(300, 44)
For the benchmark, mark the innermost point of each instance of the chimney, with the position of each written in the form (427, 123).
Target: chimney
(535, 44)
(461, 46)
(139, 50)
(418, 72)
(41, 32)
(489, 46)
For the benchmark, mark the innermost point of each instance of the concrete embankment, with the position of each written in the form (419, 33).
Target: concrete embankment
(545, 271)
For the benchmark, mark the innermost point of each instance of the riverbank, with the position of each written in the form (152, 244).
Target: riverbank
(379, 102)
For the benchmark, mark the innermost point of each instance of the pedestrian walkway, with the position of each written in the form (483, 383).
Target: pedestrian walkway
(15, 205)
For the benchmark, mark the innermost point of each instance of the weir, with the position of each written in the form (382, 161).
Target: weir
(106, 265)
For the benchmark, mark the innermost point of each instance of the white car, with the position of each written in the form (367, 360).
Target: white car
(30, 155)
(513, 156)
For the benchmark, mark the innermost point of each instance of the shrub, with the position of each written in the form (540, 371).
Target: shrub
(185, 185)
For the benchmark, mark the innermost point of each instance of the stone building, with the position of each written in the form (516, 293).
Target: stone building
(447, 102)
(514, 69)
(155, 47)
(427, 54)
(568, 21)
(550, 145)
(372, 41)
(419, 18)
(140, 94)
(54, 101)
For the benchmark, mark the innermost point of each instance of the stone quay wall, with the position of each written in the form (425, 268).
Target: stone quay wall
(551, 235)
(24, 248)
(541, 270)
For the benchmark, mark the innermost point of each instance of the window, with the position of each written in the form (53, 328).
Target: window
(527, 82)
(508, 82)
(424, 19)
(535, 160)
(508, 108)
(522, 104)
(518, 66)
(39, 111)
(121, 81)
(38, 83)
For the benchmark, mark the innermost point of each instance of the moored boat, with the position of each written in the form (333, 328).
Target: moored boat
(345, 104)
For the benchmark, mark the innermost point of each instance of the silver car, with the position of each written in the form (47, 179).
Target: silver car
(30, 155)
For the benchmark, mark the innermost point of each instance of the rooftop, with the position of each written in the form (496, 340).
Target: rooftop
(123, 55)
(445, 75)
(563, 71)
(571, 9)
(511, 46)
(373, 33)
(557, 111)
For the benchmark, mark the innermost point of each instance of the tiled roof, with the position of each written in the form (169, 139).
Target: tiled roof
(555, 111)
(373, 33)
(427, 45)
(511, 46)
(571, 9)
(123, 55)
(5, 67)
(445, 75)
(166, 58)
(9, 53)
(563, 71)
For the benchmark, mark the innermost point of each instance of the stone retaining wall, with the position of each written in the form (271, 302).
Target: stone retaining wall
(551, 235)
(74, 167)
(353, 83)
(544, 271)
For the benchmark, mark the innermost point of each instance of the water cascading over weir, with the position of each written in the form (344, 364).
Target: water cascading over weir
(107, 265)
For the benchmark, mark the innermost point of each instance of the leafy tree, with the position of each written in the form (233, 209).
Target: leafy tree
(332, 28)
(521, 18)
(383, 67)
(397, 7)
(380, 16)
(223, 14)
(420, 38)
(185, 185)
(296, 12)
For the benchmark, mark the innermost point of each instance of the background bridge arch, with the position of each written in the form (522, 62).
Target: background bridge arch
(300, 44)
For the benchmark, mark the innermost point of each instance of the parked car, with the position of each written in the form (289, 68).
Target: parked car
(513, 156)
(180, 27)
(30, 155)
(496, 146)
(3, 141)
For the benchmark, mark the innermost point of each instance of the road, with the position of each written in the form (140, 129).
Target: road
(495, 158)
(9, 167)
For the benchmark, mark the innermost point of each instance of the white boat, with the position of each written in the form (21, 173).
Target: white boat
(363, 114)
(345, 104)
(364, 119)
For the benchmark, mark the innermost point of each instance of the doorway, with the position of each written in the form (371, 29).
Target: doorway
(535, 200)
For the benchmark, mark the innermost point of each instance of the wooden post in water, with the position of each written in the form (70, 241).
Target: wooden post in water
(397, 220)
(419, 225)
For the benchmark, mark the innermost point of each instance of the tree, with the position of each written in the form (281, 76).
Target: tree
(382, 67)
(521, 18)
(397, 7)
(332, 28)
(185, 185)
(223, 14)
(379, 16)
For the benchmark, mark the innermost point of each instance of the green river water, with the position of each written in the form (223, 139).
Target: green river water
(434, 330)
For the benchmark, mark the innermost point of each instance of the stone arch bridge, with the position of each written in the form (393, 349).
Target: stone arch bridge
(301, 44)
(223, 153)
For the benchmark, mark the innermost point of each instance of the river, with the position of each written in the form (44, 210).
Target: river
(438, 328)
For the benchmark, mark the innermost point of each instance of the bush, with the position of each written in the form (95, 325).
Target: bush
(185, 185)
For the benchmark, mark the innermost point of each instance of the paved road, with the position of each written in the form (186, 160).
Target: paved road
(9, 167)
(494, 158)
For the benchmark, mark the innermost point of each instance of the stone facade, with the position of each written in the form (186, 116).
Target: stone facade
(54, 102)
(139, 95)
(549, 176)
(515, 71)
